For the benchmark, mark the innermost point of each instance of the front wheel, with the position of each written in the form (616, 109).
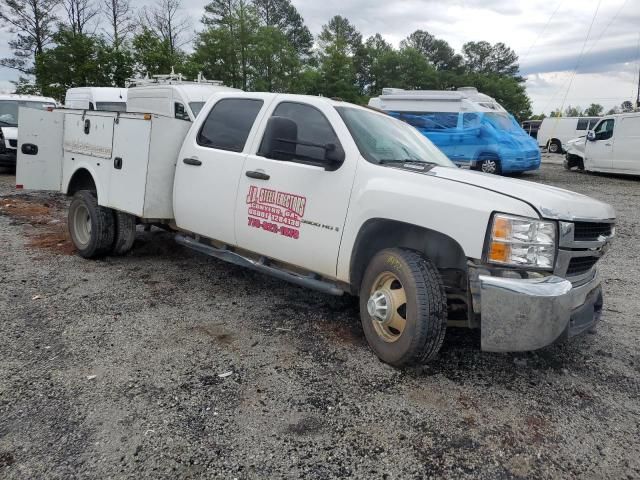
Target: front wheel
(554, 147)
(489, 165)
(91, 226)
(403, 307)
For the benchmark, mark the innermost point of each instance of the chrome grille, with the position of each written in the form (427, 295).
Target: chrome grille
(581, 245)
(591, 231)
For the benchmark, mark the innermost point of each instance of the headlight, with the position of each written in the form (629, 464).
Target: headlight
(522, 242)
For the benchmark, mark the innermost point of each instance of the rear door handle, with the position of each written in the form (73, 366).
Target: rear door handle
(192, 161)
(257, 175)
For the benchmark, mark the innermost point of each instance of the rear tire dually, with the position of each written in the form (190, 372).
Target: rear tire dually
(92, 227)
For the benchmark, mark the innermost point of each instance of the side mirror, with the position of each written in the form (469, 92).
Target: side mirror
(334, 155)
(591, 135)
(280, 139)
(281, 142)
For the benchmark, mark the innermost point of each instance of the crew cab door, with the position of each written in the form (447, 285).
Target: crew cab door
(293, 211)
(599, 152)
(210, 165)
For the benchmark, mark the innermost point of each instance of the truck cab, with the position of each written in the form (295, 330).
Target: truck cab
(470, 128)
(338, 198)
(9, 119)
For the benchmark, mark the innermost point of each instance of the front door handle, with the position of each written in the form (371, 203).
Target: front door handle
(257, 175)
(192, 161)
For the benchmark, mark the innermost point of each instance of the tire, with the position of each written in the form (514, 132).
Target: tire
(554, 147)
(391, 276)
(490, 165)
(91, 226)
(125, 224)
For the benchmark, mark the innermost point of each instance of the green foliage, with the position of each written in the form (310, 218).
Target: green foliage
(497, 59)
(153, 55)
(76, 61)
(437, 52)
(594, 110)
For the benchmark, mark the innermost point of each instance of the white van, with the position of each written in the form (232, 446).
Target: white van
(182, 100)
(97, 98)
(9, 108)
(613, 146)
(555, 132)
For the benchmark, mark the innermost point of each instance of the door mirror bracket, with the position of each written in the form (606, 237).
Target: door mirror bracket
(591, 136)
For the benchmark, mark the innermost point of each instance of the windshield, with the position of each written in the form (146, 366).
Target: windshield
(9, 110)
(502, 121)
(112, 106)
(196, 107)
(381, 138)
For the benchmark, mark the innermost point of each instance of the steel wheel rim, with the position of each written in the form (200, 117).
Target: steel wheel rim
(489, 166)
(82, 225)
(387, 307)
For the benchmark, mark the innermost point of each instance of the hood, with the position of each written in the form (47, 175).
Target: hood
(550, 202)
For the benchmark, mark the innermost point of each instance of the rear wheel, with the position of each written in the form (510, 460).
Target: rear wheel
(403, 307)
(91, 226)
(125, 224)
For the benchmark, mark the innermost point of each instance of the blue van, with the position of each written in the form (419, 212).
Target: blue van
(471, 128)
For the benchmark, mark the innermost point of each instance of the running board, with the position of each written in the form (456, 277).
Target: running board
(309, 281)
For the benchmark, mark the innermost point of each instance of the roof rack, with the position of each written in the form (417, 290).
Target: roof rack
(170, 79)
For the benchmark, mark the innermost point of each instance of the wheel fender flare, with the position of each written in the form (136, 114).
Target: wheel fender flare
(87, 171)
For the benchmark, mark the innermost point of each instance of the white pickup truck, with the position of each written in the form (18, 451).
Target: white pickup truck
(339, 198)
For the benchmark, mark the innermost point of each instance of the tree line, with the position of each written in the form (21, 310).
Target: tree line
(256, 45)
(593, 110)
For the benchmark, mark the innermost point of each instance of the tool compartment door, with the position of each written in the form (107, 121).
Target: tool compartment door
(128, 165)
(40, 156)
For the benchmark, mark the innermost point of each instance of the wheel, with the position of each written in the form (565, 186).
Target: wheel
(90, 225)
(489, 165)
(403, 307)
(125, 224)
(554, 146)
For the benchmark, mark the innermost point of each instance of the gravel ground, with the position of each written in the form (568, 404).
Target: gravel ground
(167, 364)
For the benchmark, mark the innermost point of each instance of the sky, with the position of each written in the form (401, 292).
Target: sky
(572, 52)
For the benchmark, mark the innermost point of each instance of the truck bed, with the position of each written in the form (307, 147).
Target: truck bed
(131, 156)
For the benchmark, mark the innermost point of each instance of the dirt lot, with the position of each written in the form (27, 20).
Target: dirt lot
(118, 369)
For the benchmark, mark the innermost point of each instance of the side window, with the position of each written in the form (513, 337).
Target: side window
(228, 124)
(593, 122)
(313, 127)
(181, 112)
(583, 123)
(428, 121)
(471, 120)
(604, 130)
(91, 106)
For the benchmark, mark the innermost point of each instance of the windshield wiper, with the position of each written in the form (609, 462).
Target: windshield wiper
(386, 161)
(7, 124)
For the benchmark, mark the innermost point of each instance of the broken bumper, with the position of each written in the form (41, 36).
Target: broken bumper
(522, 315)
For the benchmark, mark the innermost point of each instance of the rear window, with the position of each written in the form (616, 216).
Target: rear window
(228, 125)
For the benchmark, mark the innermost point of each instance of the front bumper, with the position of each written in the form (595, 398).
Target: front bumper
(8, 158)
(522, 315)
